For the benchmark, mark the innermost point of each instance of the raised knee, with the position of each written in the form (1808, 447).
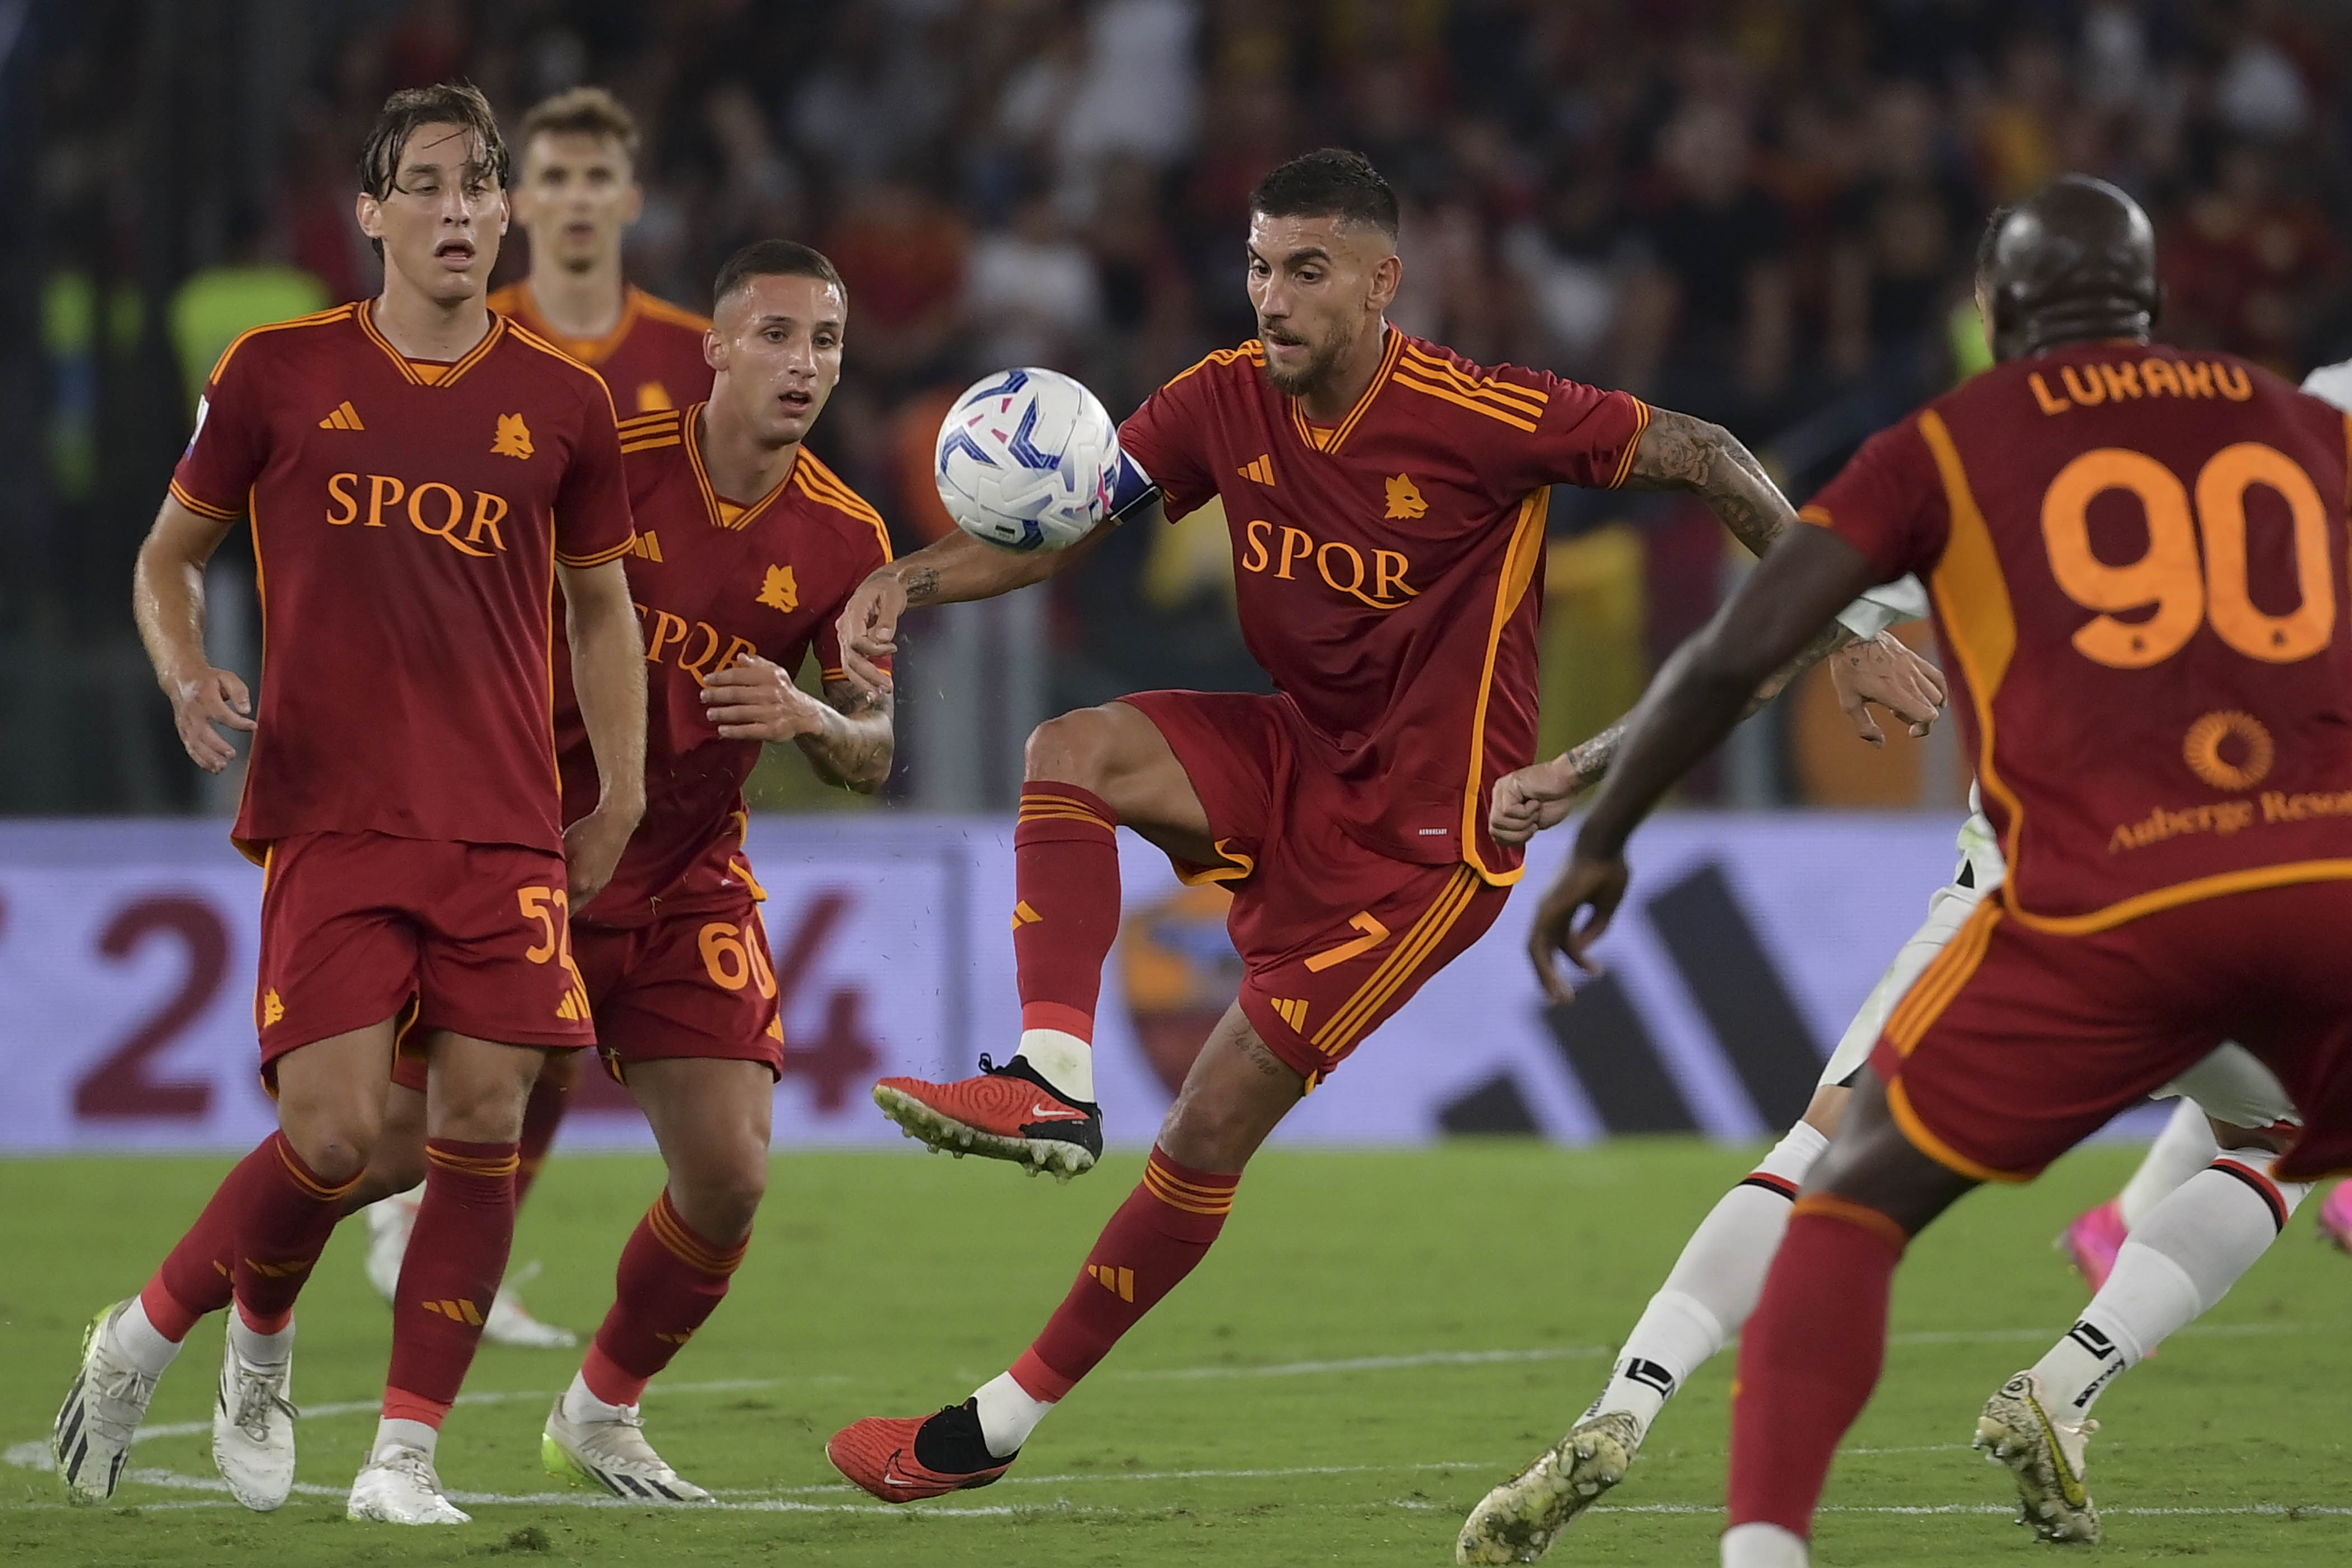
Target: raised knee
(1072, 749)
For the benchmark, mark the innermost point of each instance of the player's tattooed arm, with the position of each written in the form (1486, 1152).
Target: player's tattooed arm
(167, 598)
(1872, 671)
(1680, 453)
(952, 570)
(847, 738)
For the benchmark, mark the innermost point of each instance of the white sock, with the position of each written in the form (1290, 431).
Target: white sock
(1007, 1414)
(260, 1349)
(580, 1405)
(1764, 1546)
(2185, 1147)
(1714, 1285)
(391, 1433)
(2181, 1261)
(1062, 1059)
(142, 1344)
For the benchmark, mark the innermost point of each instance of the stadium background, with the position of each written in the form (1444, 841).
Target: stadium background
(1761, 212)
(1759, 209)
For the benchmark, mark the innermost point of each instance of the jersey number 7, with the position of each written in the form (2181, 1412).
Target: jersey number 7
(2185, 590)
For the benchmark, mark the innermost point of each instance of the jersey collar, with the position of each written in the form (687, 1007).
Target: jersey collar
(749, 514)
(587, 351)
(1328, 440)
(365, 317)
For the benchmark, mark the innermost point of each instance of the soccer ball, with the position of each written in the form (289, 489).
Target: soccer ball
(1026, 459)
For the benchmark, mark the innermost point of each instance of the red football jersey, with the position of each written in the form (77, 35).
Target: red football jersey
(714, 581)
(407, 516)
(1389, 568)
(652, 359)
(2136, 556)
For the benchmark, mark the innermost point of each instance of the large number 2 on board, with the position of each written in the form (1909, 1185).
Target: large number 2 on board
(2184, 590)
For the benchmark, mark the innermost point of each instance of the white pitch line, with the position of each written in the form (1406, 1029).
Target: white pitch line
(1377, 1363)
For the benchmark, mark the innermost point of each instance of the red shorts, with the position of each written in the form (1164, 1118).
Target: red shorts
(684, 985)
(1334, 937)
(2017, 1043)
(360, 927)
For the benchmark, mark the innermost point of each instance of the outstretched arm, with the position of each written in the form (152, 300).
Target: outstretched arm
(1680, 453)
(949, 571)
(1687, 712)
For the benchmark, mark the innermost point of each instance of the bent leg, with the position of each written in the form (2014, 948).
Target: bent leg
(1087, 772)
(1237, 1092)
(711, 1118)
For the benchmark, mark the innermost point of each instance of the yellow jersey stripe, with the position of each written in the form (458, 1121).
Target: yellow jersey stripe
(1516, 421)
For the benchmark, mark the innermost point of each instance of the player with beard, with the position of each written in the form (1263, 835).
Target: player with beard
(1387, 502)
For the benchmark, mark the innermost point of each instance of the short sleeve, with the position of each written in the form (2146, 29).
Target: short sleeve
(1165, 439)
(593, 520)
(868, 554)
(230, 445)
(1563, 432)
(1887, 502)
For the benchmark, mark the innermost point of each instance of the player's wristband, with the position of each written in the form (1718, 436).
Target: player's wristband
(1131, 490)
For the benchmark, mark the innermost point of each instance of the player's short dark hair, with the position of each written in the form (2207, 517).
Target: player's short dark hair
(1333, 182)
(583, 111)
(456, 103)
(774, 259)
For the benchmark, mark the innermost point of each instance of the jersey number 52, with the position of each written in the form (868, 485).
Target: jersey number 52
(2185, 589)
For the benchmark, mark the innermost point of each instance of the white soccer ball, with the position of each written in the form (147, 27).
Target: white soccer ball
(1025, 460)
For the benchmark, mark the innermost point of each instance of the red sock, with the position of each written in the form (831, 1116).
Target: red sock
(542, 1113)
(1153, 1241)
(1809, 1357)
(456, 1259)
(669, 1282)
(1065, 869)
(266, 1224)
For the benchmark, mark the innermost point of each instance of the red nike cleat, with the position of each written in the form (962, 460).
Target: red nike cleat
(1008, 1112)
(2335, 1217)
(2093, 1241)
(881, 1453)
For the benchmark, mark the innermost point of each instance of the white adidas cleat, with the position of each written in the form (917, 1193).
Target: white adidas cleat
(1519, 1519)
(399, 1487)
(612, 1454)
(101, 1413)
(252, 1428)
(391, 1222)
(2044, 1456)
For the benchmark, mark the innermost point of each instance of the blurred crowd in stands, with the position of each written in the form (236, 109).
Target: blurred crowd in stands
(1761, 211)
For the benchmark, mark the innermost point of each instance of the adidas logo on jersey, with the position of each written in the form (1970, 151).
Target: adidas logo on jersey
(1259, 471)
(1292, 1010)
(648, 547)
(344, 417)
(1120, 1282)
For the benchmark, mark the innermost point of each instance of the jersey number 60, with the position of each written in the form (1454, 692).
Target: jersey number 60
(2185, 590)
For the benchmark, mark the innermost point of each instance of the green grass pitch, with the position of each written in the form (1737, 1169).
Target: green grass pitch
(1379, 1337)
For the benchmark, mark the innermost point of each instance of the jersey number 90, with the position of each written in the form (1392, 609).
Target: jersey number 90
(2184, 588)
